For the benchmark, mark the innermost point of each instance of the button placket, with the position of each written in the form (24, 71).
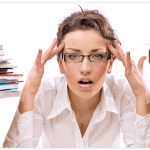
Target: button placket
(86, 138)
(79, 140)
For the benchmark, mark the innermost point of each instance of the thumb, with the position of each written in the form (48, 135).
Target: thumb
(141, 64)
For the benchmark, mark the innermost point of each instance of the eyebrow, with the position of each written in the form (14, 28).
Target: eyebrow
(93, 50)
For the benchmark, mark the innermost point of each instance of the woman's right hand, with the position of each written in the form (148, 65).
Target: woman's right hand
(35, 76)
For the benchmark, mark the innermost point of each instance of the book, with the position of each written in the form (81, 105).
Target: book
(8, 66)
(8, 82)
(5, 70)
(4, 60)
(11, 74)
(8, 86)
(1, 50)
(8, 90)
(10, 77)
(3, 63)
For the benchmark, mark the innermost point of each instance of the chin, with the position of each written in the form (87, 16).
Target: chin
(86, 95)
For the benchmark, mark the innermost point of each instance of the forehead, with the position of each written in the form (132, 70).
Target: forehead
(84, 40)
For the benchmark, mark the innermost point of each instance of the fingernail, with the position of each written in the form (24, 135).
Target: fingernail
(129, 53)
(109, 43)
(145, 57)
(54, 39)
(39, 50)
(62, 42)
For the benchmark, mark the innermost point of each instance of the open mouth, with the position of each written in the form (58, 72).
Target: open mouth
(85, 82)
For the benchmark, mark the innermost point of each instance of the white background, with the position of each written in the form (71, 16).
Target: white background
(26, 27)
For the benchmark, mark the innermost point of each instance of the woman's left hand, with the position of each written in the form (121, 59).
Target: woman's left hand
(133, 73)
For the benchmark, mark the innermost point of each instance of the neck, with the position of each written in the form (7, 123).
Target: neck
(83, 105)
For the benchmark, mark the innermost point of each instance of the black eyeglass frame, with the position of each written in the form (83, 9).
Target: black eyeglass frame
(62, 57)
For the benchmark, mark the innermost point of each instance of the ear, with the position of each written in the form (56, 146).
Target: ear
(111, 61)
(60, 65)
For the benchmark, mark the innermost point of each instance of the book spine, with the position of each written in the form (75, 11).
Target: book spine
(1, 50)
(11, 74)
(11, 82)
(8, 84)
(8, 89)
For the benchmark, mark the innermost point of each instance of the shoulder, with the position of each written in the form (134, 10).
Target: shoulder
(122, 85)
(47, 92)
(50, 84)
(49, 87)
(114, 83)
(122, 93)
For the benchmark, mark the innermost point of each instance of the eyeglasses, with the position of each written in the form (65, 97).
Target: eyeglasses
(75, 58)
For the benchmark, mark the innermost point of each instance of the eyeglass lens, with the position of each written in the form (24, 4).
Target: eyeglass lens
(78, 58)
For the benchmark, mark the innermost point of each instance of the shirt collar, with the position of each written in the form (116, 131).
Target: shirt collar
(62, 101)
(107, 102)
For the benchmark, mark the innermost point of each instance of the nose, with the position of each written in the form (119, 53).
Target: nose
(85, 66)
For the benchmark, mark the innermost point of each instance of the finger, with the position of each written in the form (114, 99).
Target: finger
(141, 64)
(129, 64)
(117, 53)
(113, 50)
(50, 54)
(57, 50)
(52, 46)
(38, 58)
(48, 51)
(121, 53)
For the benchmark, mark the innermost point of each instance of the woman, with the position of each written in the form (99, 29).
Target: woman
(83, 108)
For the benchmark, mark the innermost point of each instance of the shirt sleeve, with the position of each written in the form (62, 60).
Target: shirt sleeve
(143, 129)
(135, 128)
(26, 128)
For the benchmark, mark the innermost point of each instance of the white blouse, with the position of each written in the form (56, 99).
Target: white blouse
(54, 121)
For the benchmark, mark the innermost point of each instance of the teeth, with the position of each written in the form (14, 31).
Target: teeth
(85, 81)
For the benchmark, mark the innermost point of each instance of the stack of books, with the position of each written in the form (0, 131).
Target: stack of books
(8, 80)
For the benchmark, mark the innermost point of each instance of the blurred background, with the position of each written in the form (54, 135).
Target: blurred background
(26, 27)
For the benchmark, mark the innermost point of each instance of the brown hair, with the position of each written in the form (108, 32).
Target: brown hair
(85, 20)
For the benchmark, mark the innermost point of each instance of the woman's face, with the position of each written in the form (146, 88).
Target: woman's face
(85, 42)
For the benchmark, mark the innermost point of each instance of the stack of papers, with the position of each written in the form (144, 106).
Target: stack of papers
(5, 63)
(8, 80)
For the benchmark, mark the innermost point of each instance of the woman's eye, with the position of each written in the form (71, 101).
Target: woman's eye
(98, 56)
(72, 56)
